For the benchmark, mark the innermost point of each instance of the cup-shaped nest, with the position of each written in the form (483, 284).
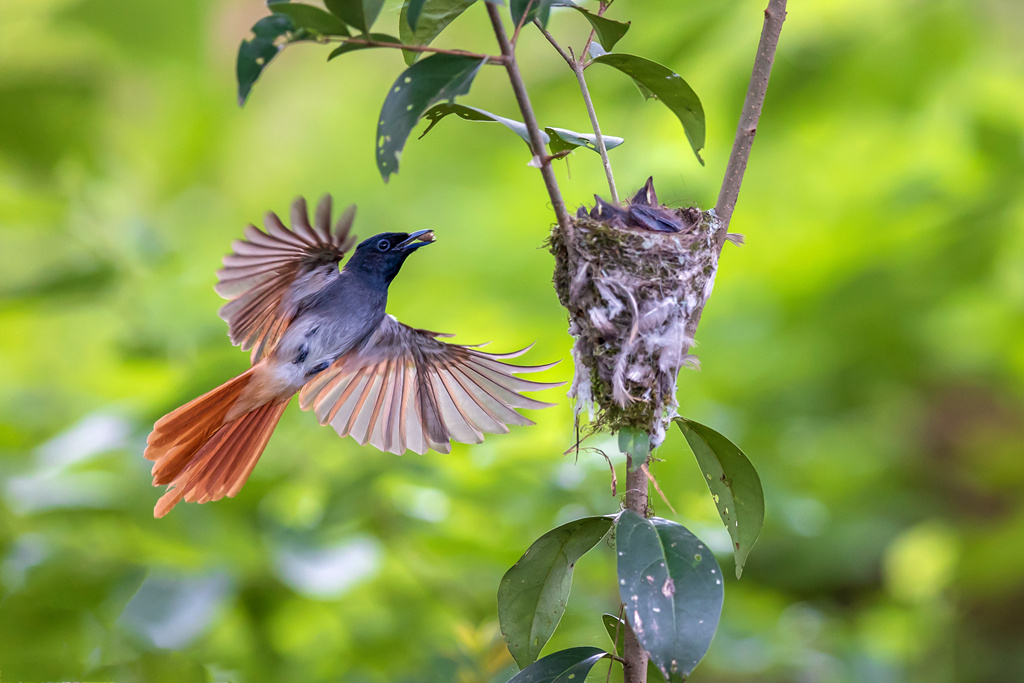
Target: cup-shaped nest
(633, 278)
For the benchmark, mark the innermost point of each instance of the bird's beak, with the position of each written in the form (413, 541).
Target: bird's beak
(420, 238)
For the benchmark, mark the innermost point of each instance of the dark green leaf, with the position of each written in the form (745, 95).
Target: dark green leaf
(533, 593)
(439, 111)
(256, 53)
(412, 11)
(564, 666)
(433, 17)
(311, 18)
(436, 78)
(359, 14)
(562, 140)
(616, 629)
(352, 47)
(672, 590)
(734, 485)
(608, 31)
(668, 87)
(636, 443)
(534, 9)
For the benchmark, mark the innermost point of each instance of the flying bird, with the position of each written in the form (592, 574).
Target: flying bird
(322, 332)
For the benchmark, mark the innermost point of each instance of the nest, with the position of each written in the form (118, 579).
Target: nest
(633, 279)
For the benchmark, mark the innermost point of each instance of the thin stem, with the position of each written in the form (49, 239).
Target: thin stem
(577, 68)
(522, 20)
(774, 15)
(635, 667)
(523, 100)
(590, 39)
(491, 59)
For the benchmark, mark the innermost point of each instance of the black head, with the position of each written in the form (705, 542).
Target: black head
(383, 255)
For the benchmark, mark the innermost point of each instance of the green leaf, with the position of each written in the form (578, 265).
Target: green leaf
(432, 18)
(352, 47)
(672, 590)
(733, 482)
(608, 31)
(439, 111)
(533, 593)
(562, 140)
(256, 53)
(616, 629)
(538, 9)
(636, 443)
(311, 18)
(668, 87)
(438, 77)
(564, 666)
(359, 14)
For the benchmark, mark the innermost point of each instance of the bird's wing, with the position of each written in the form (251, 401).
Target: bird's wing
(267, 273)
(405, 390)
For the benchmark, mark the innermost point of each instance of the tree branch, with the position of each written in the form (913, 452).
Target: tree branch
(577, 68)
(523, 100)
(635, 667)
(774, 15)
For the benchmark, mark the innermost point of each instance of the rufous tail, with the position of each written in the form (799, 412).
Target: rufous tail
(204, 451)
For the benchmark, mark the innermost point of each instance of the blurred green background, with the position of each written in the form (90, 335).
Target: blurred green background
(866, 348)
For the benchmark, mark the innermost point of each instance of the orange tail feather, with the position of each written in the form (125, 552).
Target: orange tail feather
(203, 451)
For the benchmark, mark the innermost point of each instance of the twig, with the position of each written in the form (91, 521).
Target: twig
(522, 20)
(577, 68)
(635, 667)
(590, 38)
(491, 59)
(654, 482)
(523, 100)
(774, 15)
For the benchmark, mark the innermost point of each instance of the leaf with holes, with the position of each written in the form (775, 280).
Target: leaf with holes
(733, 482)
(672, 590)
(636, 443)
(256, 53)
(533, 593)
(311, 18)
(667, 86)
(352, 47)
(566, 140)
(433, 17)
(436, 78)
(608, 30)
(564, 666)
(439, 111)
(359, 14)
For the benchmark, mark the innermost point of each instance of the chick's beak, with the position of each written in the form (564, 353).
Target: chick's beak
(420, 238)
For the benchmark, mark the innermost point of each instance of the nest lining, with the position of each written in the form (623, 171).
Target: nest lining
(631, 293)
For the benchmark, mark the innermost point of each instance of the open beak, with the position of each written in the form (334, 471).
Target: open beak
(420, 238)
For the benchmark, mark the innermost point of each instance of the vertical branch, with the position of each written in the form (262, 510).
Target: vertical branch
(577, 68)
(523, 100)
(634, 667)
(774, 15)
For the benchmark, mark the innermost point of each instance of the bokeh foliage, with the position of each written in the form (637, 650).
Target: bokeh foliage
(864, 349)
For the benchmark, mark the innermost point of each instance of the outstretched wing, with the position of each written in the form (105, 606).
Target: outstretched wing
(267, 273)
(403, 389)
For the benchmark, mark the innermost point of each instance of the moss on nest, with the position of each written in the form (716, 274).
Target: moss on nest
(631, 293)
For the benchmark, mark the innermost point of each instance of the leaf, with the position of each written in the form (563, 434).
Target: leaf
(533, 593)
(256, 53)
(636, 443)
(733, 482)
(538, 9)
(432, 18)
(672, 590)
(352, 47)
(311, 18)
(562, 140)
(668, 87)
(564, 666)
(616, 629)
(438, 77)
(439, 111)
(359, 14)
(608, 31)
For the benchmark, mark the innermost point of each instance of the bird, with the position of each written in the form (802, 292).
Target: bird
(323, 332)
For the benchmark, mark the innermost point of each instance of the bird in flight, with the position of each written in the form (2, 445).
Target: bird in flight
(322, 332)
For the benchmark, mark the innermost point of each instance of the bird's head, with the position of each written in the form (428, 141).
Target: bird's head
(383, 255)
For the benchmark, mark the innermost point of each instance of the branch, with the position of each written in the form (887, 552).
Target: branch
(491, 59)
(634, 669)
(774, 15)
(523, 100)
(577, 68)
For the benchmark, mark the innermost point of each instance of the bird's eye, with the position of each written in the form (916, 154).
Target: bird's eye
(383, 245)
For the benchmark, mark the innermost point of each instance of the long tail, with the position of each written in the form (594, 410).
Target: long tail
(205, 450)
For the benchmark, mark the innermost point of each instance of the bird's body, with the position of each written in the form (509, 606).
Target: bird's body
(325, 334)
